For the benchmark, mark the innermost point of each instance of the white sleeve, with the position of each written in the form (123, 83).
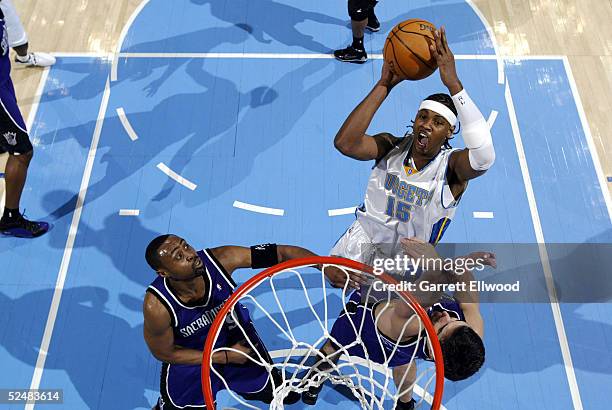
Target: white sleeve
(476, 133)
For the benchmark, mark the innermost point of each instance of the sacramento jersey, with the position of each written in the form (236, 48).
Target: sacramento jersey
(399, 204)
(180, 384)
(378, 347)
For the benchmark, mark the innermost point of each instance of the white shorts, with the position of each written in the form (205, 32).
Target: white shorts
(354, 244)
(16, 33)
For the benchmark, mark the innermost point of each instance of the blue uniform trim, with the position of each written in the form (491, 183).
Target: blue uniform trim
(438, 230)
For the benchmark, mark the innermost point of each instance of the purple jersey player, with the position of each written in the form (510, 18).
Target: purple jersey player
(179, 308)
(14, 139)
(386, 324)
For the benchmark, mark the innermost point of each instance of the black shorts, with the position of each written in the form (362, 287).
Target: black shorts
(14, 137)
(359, 10)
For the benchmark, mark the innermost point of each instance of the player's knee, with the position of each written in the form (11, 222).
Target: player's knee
(358, 9)
(24, 158)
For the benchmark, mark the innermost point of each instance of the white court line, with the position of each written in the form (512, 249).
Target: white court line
(485, 23)
(74, 225)
(492, 118)
(126, 124)
(124, 31)
(312, 56)
(259, 209)
(129, 212)
(589, 137)
(281, 353)
(82, 54)
(550, 284)
(183, 181)
(341, 211)
(482, 215)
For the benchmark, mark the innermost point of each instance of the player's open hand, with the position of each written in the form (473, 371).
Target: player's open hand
(242, 354)
(388, 76)
(446, 61)
(486, 258)
(338, 277)
(416, 249)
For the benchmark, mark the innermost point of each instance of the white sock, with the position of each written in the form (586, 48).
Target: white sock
(24, 58)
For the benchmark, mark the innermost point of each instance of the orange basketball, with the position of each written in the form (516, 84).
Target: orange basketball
(407, 46)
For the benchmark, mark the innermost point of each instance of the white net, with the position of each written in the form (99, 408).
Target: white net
(294, 312)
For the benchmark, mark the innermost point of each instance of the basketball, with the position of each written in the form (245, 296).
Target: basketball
(407, 47)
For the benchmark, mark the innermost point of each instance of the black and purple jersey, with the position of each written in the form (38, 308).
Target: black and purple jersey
(180, 385)
(380, 348)
(14, 137)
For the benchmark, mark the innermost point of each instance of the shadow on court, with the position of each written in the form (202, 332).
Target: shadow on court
(86, 334)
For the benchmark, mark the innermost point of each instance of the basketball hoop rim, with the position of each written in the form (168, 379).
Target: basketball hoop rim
(304, 262)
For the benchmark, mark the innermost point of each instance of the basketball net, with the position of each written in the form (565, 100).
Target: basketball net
(371, 383)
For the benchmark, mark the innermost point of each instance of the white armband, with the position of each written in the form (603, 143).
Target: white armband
(476, 132)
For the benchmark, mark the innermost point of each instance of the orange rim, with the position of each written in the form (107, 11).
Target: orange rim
(304, 262)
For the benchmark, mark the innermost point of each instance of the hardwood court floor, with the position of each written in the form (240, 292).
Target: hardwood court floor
(579, 29)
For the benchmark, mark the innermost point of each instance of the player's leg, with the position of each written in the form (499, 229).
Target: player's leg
(326, 359)
(404, 377)
(14, 139)
(358, 11)
(373, 24)
(252, 380)
(18, 39)
(342, 334)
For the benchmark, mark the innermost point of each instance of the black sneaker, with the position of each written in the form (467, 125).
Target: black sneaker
(351, 55)
(311, 395)
(23, 228)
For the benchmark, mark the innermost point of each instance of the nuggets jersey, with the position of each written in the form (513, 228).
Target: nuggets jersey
(402, 203)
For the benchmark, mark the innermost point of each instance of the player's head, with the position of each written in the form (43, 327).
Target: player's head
(434, 124)
(462, 348)
(172, 257)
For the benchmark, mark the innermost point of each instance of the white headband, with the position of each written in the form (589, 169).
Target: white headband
(441, 109)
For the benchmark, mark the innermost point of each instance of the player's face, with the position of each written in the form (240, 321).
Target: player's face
(445, 325)
(180, 261)
(431, 130)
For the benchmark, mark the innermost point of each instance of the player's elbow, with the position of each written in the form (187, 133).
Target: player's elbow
(342, 145)
(482, 158)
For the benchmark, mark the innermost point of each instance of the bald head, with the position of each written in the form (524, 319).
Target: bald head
(152, 253)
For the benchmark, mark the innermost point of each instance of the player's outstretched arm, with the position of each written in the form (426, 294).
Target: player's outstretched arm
(352, 140)
(257, 256)
(479, 155)
(159, 336)
(433, 274)
(469, 300)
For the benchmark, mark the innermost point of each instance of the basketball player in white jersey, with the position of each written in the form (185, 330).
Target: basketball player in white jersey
(18, 39)
(417, 180)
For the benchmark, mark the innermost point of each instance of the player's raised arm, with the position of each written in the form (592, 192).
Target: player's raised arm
(257, 256)
(469, 300)
(479, 154)
(159, 336)
(418, 249)
(352, 140)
